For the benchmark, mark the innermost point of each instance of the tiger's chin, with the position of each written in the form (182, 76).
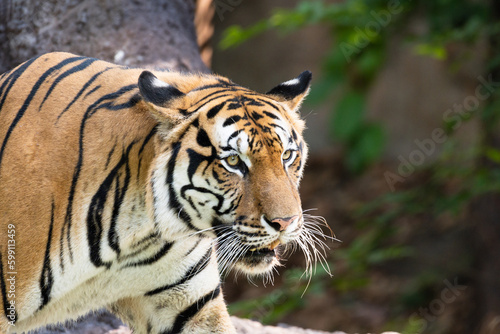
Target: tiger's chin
(257, 262)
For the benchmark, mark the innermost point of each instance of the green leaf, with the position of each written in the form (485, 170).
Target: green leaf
(493, 154)
(236, 35)
(432, 50)
(348, 116)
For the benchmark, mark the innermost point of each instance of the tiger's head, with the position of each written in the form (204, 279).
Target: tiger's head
(228, 165)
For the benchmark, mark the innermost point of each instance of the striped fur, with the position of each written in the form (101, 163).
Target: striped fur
(134, 190)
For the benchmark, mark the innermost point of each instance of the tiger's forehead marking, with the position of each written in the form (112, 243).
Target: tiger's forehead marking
(250, 124)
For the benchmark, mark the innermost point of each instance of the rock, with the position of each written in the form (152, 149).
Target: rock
(245, 326)
(103, 322)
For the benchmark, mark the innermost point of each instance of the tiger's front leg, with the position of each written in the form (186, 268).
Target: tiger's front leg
(159, 314)
(195, 306)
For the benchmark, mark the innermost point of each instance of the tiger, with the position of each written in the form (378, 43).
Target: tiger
(135, 189)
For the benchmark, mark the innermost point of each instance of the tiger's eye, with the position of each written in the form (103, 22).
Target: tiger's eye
(233, 160)
(287, 155)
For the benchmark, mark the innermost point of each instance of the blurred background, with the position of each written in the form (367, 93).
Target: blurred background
(403, 126)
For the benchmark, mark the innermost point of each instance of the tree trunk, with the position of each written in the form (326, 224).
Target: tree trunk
(128, 32)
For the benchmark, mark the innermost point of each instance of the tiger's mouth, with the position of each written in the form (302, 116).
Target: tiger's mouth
(260, 260)
(259, 253)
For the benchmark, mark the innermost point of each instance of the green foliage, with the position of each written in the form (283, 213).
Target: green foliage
(364, 140)
(349, 115)
(363, 253)
(270, 308)
(446, 187)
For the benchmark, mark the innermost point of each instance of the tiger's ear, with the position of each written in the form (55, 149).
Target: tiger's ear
(292, 92)
(164, 99)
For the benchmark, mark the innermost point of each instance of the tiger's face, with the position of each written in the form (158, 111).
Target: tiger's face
(229, 165)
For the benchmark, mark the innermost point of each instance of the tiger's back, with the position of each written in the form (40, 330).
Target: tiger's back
(87, 154)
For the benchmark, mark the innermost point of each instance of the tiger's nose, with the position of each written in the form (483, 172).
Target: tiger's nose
(280, 224)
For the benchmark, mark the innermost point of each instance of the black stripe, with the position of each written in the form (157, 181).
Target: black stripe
(219, 197)
(12, 78)
(5, 74)
(77, 68)
(110, 154)
(208, 101)
(231, 120)
(147, 139)
(113, 237)
(196, 123)
(251, 102)
(276, 126)
(143, 146)
(269, 114)
(148, 238)
(191, 311)
(87, 84)
(193, 248)
(215, 110)
(249, 234)
(202, 138)
(149, 327)
(46, 279)
(234, 205)
(270, 104)
(219, 85)
(256, 116)
(5, 83)
(161, 253)
(217, 178)
(190, 273)
(234, 134)
(92, 90)
(222, 84)
(234, 105)
(140, 247)
(196, 159)
(27, 102)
